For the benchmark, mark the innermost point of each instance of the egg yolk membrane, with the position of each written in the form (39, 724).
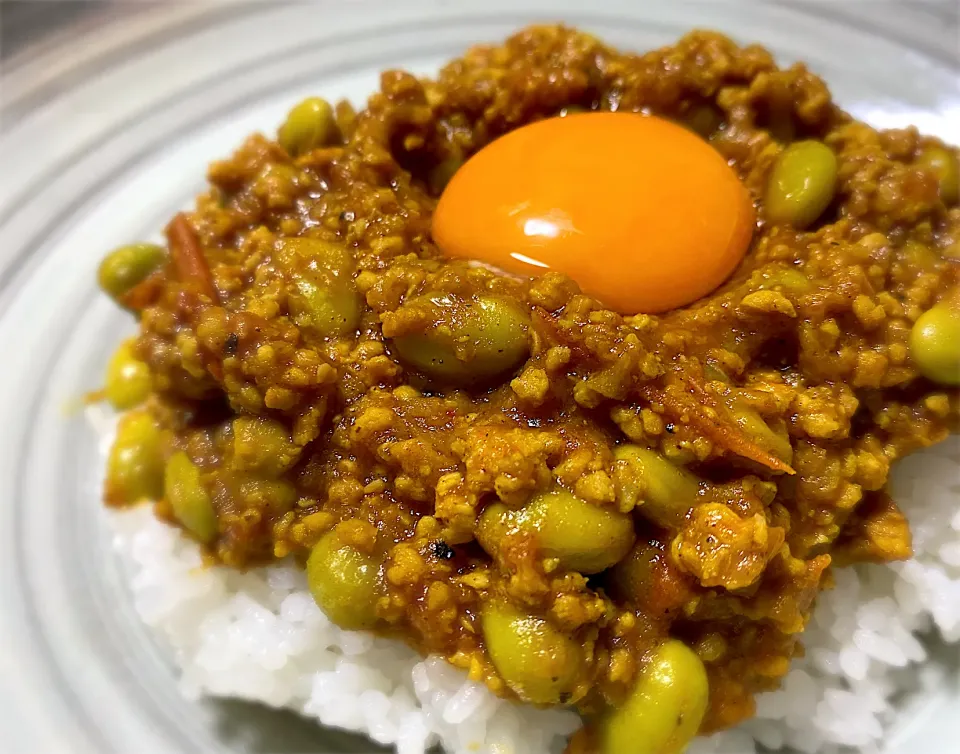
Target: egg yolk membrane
(643, 214)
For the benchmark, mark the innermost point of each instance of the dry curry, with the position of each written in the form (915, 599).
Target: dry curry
(632, 515)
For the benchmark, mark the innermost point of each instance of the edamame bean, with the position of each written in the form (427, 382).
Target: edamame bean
(648, 579)
(943, 164)
(802, 184)
(329, 309)
(135, 464)
(263, 445)
(632, 579)
(322, 299)
(271, 496)
(496, 521)
(344, 582)
(126, 266)
(540, 663)
(664, 710)
(666, 492)
(789, 279)
(298, 253)
(583, 537)
(471, 341)
(128, 379)
(188, 498)
(309, 125)
(935, 343)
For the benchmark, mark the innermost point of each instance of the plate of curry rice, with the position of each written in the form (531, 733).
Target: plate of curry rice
(486, 378)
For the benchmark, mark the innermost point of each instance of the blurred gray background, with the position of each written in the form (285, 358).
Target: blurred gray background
(25, 22)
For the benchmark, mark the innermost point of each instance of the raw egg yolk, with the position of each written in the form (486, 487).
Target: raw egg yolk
(643, 214)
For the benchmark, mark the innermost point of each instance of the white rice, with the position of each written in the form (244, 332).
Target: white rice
(259, 636)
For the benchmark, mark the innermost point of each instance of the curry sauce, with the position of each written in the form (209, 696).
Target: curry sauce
(498, 469)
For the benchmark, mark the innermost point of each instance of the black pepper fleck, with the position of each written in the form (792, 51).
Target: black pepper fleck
(671, 428)
(230, 344)
(442, 550)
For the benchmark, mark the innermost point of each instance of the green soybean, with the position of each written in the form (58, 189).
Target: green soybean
(935, 344)
(344, 582)
(801, 185)
(469, 341)
(664, 710)
(125, 267)
(540, 663)
(583, 537)
(188, 498)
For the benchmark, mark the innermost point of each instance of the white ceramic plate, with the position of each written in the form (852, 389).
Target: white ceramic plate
(106, 129)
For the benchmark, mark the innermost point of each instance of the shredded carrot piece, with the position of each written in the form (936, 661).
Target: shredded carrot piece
(144, 293)
(187, 256)
(729, 437)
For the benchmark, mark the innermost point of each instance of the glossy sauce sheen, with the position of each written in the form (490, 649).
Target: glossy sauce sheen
(320, 400)
(645, 215)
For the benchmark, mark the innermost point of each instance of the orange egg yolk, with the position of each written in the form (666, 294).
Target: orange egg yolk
(643, 214)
